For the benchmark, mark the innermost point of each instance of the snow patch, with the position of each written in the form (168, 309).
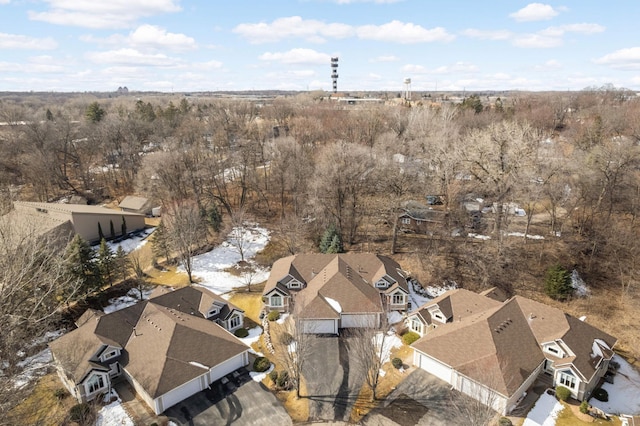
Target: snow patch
(521, 234)
(545, 412)
(384, 344)
(334, 304)
(33, 367)
(113, 414)
(210, 267)
(283, 318)
(253, 336)
(131, 298)
(623, 392)
(478, 236)
(394, 317)
(580, 288)
(132, 243)
(258, 377)
(197, 364)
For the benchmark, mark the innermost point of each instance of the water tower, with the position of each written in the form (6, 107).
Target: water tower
(407, 89)
(334, 73)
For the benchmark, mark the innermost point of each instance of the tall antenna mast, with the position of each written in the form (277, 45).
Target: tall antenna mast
(334, 73)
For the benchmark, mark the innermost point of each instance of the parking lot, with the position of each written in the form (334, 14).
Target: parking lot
(235, 399)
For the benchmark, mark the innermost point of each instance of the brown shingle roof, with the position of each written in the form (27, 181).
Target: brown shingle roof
(161, 345)
(458, 304)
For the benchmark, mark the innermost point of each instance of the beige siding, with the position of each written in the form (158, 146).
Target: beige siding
(86, 224)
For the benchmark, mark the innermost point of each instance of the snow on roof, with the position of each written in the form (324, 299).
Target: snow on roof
(334, 304)
(197, 364)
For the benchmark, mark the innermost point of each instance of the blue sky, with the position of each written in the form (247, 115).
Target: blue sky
(193, 45)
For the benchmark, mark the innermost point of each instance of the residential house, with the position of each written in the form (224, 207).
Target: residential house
(420, 219)
(168, 348)
(133, 204)
(328, 292)
(493, 351)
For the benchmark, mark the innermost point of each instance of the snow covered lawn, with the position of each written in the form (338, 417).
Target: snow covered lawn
(624, 393)
(132, 243)
(254, 336)
(420, 298)
(209, 268)
(545, 412)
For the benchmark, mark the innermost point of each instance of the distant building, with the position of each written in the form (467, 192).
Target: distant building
(133, 204)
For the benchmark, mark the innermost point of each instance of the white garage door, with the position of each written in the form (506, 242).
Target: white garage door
(181, 393)
(359, 321)
(226, 367)
(482, 393)
(325, 326)
(432, 366)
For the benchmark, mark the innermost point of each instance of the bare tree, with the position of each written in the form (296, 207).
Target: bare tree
(239, 237)
(34, 285)
(186, 230)
(296, 347)
(369, 342)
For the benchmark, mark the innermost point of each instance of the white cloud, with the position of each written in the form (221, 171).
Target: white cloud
(128, 56)
(5, 1)
(296, 56)
(151, 35)
(400, 32)
(208, 66)
(622, 59)
(536, 41)
(102, 14)
(488, 34)
(549, 65)
(317, 31)
(294, 26)
(15, 41)
(385, 58)
(534, 12)
(583, 28)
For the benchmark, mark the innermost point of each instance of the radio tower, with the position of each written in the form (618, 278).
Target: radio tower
(334, 73)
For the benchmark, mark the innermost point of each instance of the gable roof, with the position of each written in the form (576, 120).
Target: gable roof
(457, 304)
(500, 345)
(193, 300)
(347, 278)
(162, 347)
(133, 202)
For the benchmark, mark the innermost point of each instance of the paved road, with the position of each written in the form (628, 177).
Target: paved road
(333, 378)
(420, 399)
(249, 405)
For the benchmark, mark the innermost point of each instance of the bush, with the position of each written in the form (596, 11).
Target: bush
(397, 363)
(557, 283)
(283, 379)
(562, 393)
(273, 376)
(601, 395)
(261, 364)
(410, 337)
(584, 407)
(286, 338)
(81, 413)
(273, 316)
(504, 421)
(60, 394)
(241, 332)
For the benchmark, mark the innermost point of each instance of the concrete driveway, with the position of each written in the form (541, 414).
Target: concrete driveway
(420, 399)
(250, 403)
(334, 378)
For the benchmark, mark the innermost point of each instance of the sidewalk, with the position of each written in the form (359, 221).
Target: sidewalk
(136, 408)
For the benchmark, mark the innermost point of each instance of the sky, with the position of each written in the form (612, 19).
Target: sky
(211, 45)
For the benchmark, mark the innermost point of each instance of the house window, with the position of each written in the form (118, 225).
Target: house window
(416, 326)
(95, 383)
(109, 355)
(567, 380)
(438, 317)
(398, 299)
(406, 221)
(276, 300)
(294, 284)
(381, 284)
(234, 322)
(212, 312)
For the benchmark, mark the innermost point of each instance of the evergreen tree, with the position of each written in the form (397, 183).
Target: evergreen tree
(335, 246)
(106, 262)
(49, 115)
(121, 263)
(331, 240)
(112, 230)
(557, 283)
(95, 113)
(100, 234)
(160, 244)
(212, 217)
(81, 265)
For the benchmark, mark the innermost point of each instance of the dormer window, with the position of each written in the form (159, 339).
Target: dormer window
(213, 311)
(111, 354)
(295, 284)
(381, 284)
(438, 317)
